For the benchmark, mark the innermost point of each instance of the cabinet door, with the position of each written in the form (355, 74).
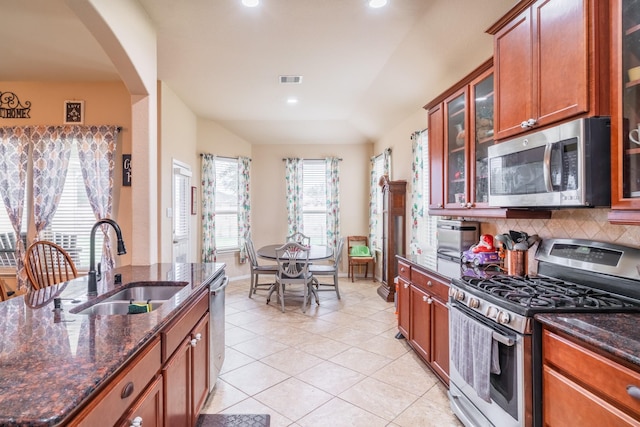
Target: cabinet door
(177, 386)
(560, 59)
(440, 339)
(149, 409)
(481, 125)
(436, 157)
(456, 168)
(403, 307)
(421, 322)
(200, 370)
(513, 62)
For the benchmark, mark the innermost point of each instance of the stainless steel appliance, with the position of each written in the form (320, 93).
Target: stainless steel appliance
(216, 326)
(573, 275)
(564, 166)
(454, 236)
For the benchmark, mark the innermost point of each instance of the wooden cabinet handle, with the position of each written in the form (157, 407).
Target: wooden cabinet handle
(136, 422)
(127, 390)
(633, 391)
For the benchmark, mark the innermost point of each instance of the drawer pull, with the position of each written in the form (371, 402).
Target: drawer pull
(429, 283)
(136, 422)
(198, 336)
(194, 342)
(127, 390)
(633, 391)
(406, 285)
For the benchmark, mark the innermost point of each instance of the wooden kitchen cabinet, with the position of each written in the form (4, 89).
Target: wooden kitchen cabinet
(186, 370)
(625, 113)
(435, 122)
(149, 410)
(423, 316)
(581, 386)
(551, 60)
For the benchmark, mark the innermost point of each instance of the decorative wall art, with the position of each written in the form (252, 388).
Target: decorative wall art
(12, 108)
(126, 170)
(73, 112)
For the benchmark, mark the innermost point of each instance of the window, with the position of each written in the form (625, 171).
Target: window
(428, 227)
(314, 201)
(226, 204)
(378, 169)
(181, 211)
(71, 224)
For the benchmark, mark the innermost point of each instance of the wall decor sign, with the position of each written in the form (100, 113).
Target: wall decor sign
(12, 108)
(194, 200)
(73, 112)
(126, 170)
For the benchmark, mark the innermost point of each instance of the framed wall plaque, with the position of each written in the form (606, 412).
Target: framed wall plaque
(194, 200)
(73, 112)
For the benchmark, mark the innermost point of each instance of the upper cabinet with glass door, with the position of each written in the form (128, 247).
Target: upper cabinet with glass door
(482, 124)
(625, 112)
(456, 155)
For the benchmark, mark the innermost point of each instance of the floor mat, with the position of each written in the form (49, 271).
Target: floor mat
(234, 420)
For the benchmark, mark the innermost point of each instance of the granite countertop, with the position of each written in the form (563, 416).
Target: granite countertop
(615, 333)
(52, 361)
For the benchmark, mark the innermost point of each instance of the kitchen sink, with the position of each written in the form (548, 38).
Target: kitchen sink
(146, 293)
(107, 308)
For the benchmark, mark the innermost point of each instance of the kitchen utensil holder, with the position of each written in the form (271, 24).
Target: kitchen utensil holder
(516, 263)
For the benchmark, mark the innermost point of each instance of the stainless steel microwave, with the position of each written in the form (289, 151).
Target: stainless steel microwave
(564, 166)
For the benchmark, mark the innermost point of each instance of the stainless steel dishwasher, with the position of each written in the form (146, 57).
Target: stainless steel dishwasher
(216, 327)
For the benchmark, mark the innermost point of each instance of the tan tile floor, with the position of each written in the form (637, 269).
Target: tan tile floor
(337, 365)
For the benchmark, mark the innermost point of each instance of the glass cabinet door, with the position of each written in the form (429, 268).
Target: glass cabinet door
(631, 99)
(456, 182)
(482, 122)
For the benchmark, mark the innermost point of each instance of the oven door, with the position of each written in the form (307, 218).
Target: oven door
(506, 404)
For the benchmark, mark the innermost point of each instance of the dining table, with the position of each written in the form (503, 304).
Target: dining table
(316, 252)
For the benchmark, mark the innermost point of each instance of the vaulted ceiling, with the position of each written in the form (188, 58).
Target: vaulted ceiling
(364, 70)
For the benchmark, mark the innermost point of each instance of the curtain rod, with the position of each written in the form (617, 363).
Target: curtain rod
(223, 157)
(284, 159)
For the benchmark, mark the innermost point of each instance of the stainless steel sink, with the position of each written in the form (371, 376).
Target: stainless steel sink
(146, 293)
(107, 308)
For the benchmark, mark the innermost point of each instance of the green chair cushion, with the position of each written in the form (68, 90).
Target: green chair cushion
(360, 250)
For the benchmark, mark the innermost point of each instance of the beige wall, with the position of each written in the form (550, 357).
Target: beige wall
(104, 103)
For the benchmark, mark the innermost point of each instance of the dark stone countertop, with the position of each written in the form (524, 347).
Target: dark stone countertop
(51, 362)
(614, 333)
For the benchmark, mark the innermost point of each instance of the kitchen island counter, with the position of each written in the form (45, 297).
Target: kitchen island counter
(614, 333)
(52, 361)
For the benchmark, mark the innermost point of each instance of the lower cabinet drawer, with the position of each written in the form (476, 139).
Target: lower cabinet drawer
(430, 284)
(173, 335)
(604, 377)
(404, 270)
(109, 406)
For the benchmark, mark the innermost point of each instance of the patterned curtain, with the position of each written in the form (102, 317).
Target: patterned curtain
(386, 164)
(208, 208)
(51, 151)
(293, 176)
(244, 204)
(373, 206)
(96, 150)
(14, 157)
(417, 200)
(333, 201)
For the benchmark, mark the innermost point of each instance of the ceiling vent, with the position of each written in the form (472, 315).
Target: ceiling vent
(290, 79)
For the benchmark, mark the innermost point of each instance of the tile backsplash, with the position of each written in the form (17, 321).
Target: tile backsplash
(591, 224)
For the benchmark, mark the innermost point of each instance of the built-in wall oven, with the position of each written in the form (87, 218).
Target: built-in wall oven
(573, 276)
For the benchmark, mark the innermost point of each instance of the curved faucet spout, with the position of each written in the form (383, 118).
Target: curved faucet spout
(93, 275)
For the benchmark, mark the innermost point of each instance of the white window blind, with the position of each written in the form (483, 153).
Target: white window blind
(182, 203)
(314, 201)
(226, 206)
(428, 231)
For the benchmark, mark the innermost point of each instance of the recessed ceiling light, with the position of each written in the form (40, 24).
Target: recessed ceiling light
(292, 100)
(251, 3)
(377, 3)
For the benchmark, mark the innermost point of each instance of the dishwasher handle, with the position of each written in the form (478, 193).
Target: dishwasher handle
(225, 283)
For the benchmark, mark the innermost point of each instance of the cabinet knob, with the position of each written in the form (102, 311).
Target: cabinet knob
(469, 205)
(633, 391)
(136, 422)
(429, 300)
(194, 342)
(198, 336)
(528, 123)
(429, 283)
(439, 205)
(425, 298)
(406, 285)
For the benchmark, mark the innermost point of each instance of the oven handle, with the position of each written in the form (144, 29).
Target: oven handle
(547, 168)
(503, 340)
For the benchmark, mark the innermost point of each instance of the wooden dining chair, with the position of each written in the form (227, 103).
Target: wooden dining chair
(3, 291)
(329, 269)
(47, 264)
(293, 269)
(258, 269)
(359, 254)
(299, 238)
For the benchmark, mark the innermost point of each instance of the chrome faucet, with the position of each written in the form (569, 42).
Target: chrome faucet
(93, 275)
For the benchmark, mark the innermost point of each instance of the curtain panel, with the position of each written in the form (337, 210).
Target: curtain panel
(333, 201)
(417, 196)
(293, 177)
(244, 205)
(208, 208)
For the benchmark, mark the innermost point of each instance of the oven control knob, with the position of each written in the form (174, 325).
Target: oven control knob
(503, 317)
(474, 303)
(459, 296)
(491, 312)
